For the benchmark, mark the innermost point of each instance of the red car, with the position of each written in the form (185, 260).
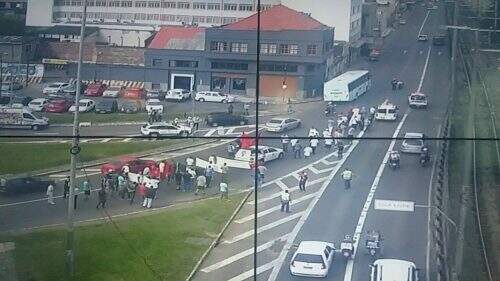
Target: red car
(95, 89)
(136, 165)
(133, 93)
(57, 106)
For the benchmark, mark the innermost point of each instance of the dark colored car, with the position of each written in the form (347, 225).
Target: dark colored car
(106, 106)
(4, 100)
(24, 185)
(223, 118)
(130, 106)
(57, 106)
(155, 94)
(20, 99)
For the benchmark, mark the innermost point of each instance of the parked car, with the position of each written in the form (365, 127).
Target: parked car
(113, 92)
(55, 87)
(38, 104)
(282, 124)
(422, 37)
(23, 185)
(106, 106)
(57, 106)
(177, 95)
(95, 89)
(71, 89)
(213, 97)
(133, 93)
(413, 143)
(154, 104)
(20, 100)
(266, 154)
(312, 259)
(130, 106)
(135, 165)
(11, 86)
(225, 119)
(165, 129)
(155, 94)
(86, 105)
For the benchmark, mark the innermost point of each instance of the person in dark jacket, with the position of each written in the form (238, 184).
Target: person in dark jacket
(102, 198)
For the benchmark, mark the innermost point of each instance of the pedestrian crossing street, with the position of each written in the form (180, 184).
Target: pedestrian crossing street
(232, 259)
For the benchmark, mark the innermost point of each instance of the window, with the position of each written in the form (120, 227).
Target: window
(198, 19)
(272, 48)
(168, 5)
(170, 18)
(183, 63)
(218, 83)
(199, 6)
(279, 67)
(127, 4)
(264, 48)
(239, 47)
(229, 65)
(218, 46)
(100, 3)
(183, 5)
(245, 7)
(213, 6)
(213, 19)
(141, 4)
(243, 48)
(311, 50)
(114, 4)
(284, 49)
(239, 84)
(227, 20)
(294, 49)
(230, 7)
(155, 4)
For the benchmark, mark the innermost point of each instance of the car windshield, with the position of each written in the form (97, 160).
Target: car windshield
(418, 97)
(114, 88)
(414, 142)
(275, 121)
(309, 258)
(154, 102)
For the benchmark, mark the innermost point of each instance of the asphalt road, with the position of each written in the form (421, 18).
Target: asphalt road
(326, 211)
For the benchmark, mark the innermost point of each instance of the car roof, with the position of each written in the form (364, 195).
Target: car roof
(417, 94)
(393, 269)
(153, 100)
(414, 135)
(39, 100)
(86, 100)
(313, 247)
(106, 101)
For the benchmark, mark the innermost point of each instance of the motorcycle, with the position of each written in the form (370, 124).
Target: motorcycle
(394, 160)
(347, 247)
(424, 157)
(372, 242)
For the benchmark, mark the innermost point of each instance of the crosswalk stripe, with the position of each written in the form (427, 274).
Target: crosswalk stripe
(127, 140)
(241, 255)
(209, 133)
(105, 140)
(296, 176)
(57, 176)
(278, 194)
(247, 274)
(326, 162)
(263, 228)
(281, 184)
(314, 170)
(92, 170)
(275, 208)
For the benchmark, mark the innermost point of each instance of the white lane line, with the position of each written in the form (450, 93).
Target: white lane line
(369, 199)
(47, 134)
(314, 170)
(424, 71)
(127, 140)
(281, 259)
(105, 140)
(278, 194)
(209, 133)
(326, 162)
(230, 131)
(263, 228)
(92, 169)
(85, 140)
(423, 23)
(276, 208)
(282, 185)
(241, 255)
(58, 176)
(247, 274)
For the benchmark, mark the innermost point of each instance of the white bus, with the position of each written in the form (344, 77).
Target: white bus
(347, 86)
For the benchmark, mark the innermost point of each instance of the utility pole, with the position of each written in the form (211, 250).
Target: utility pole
(75, 150)
(454, 41)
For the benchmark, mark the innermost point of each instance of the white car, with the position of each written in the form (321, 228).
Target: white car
(86, 105)
(154, 104)
(393, 269)
(165, 129)
(422, 37)
(282, 124)
(113, 92)
(312, 259)
(54, 88)
(266, 154)
(417, 100)
(38, 104)
(413, 143)
(177, 95)
(387, 111)
(213, 97)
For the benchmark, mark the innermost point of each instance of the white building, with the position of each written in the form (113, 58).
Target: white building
(343, 15)
(130, 22)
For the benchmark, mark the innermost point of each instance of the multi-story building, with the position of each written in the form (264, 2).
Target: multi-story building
(131, 22)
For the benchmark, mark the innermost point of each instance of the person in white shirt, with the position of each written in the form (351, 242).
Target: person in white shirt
(190, 162)
(146, 171)
(50, 194)
(284, 142)
(313, 132)
(285, 201)
(223, 190)
(347, 177)
(293, 142)
(308, 151)
(314, 144)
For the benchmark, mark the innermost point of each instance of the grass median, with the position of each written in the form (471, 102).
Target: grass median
(29, 157)
(162, 246)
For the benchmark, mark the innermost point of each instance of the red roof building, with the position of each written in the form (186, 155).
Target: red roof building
(179, 37)
(278, 18)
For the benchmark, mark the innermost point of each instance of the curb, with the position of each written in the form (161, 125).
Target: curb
(219, 236)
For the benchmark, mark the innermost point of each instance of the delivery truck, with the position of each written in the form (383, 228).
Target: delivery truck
(22, 118)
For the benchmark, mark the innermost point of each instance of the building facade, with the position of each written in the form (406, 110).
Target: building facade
(117, 19)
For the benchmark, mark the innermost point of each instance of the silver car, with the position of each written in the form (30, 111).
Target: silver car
(282, 124)
(413, 143)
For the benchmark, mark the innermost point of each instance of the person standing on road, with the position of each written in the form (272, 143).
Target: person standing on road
(328, 139)
(131, 188)
(297, 150)
(340, 148)
(224, 170)
(261, 169)
(230, 109)
(285, 201)
(75, 196)
(284, 142)
(246, 107)
(86, 189)
(122, 189)
(66, 187)
(350, 134)
(148, 199)
(201, 183)
(294, 142)
(223, 191)
(102, 198)
(347, 177)
(302, 181)
(192, 176)
(308, 150)
(50, 194)
(209, 173)
(314, 144)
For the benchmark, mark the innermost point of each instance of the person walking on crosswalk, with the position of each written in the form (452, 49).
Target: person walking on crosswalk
(302, 181)
(285, 201)
(50, 194)
(284, 142)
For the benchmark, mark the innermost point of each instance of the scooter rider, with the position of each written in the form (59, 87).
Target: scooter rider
(424, 156)
(372, 113)
(347, 246)
(394, 159)
(394, 84)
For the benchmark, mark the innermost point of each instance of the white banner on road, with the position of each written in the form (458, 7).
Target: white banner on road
(220, 161)
(394, 205)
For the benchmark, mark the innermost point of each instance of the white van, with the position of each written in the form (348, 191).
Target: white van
(392, 270)
(21, 117)
(387, 111)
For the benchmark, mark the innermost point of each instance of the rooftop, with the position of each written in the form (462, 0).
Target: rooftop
(278, 18)
(179, 37)
(63, 30)
(16, 39)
